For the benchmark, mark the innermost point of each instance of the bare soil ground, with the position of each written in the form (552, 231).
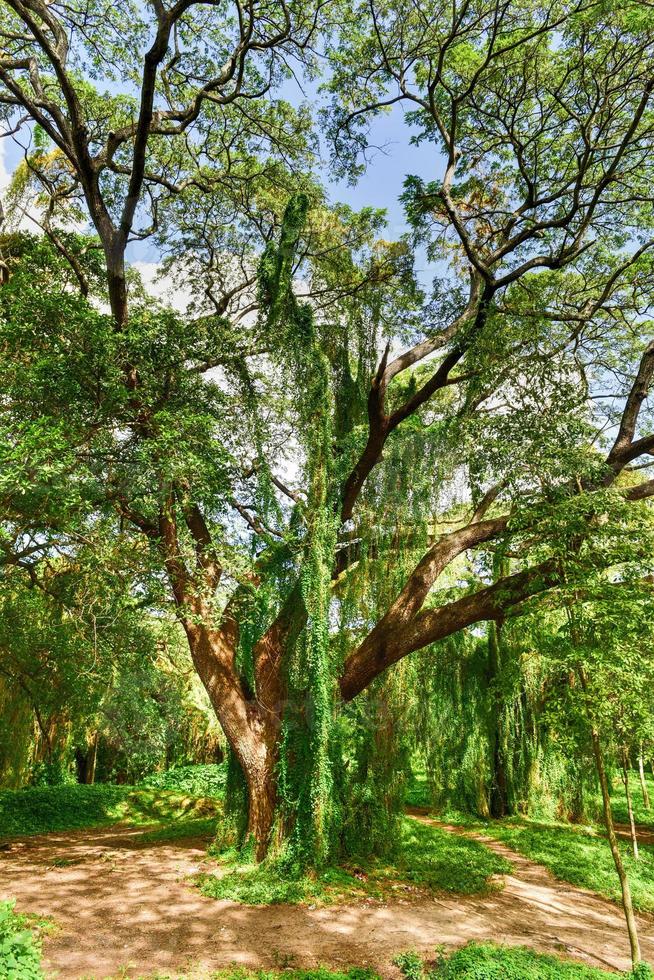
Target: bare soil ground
(121, 904)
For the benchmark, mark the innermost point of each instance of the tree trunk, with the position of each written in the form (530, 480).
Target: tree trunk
(114, 250)
(252, 730)
(262, 799)
(93, 759)
(630, 809)
(627, 904)
(643, 784)
(499, 796)
(86, 761)
(577, 808)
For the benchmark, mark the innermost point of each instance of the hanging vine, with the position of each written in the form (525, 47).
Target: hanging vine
(308, 753)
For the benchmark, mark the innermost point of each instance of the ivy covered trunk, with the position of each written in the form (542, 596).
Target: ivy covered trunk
(262, 796)
(252, 730)
(281, 754)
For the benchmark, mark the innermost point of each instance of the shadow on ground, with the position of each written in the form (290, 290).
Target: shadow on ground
(121, 902)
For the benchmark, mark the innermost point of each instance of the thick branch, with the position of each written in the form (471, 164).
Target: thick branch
(366, 662)
(380, 425)
(624, 448)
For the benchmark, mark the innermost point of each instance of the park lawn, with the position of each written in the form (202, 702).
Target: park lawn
(426, 858)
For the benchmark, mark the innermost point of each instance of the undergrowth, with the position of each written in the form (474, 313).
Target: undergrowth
(42, 809)
(424, 858)
(644, 816)
(487, 961)
(198, 780)
(20, 950)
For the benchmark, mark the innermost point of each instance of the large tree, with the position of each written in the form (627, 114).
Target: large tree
(317, 440)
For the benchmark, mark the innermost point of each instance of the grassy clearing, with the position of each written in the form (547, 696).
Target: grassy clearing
(579, 855)
(198, 780)
(487, 961)
(43, 809)
(573, 853)
(426, 858)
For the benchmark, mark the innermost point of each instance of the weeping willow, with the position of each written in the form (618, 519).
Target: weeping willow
(378, 738)
(309, 749)
(18, 738)
(340, 773)
(482, 733)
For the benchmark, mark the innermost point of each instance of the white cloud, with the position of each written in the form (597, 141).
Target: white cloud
(5, 176)
(178, 297)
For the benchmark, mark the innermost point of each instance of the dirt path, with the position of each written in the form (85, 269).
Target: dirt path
(119, 903)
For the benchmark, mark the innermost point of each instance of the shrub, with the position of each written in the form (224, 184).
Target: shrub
(20, 952)
(642, 972)
(410, 965)
(201, 780)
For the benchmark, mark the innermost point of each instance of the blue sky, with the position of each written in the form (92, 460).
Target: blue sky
(382, 183)
(380, 186)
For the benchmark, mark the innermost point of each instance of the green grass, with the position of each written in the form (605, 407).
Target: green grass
(441, 861)
(477, 961)
(426, 858)
(179, 829)
(579, 855)
(417, 792)
(43, 809)
(644, 818)
(487, 961)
